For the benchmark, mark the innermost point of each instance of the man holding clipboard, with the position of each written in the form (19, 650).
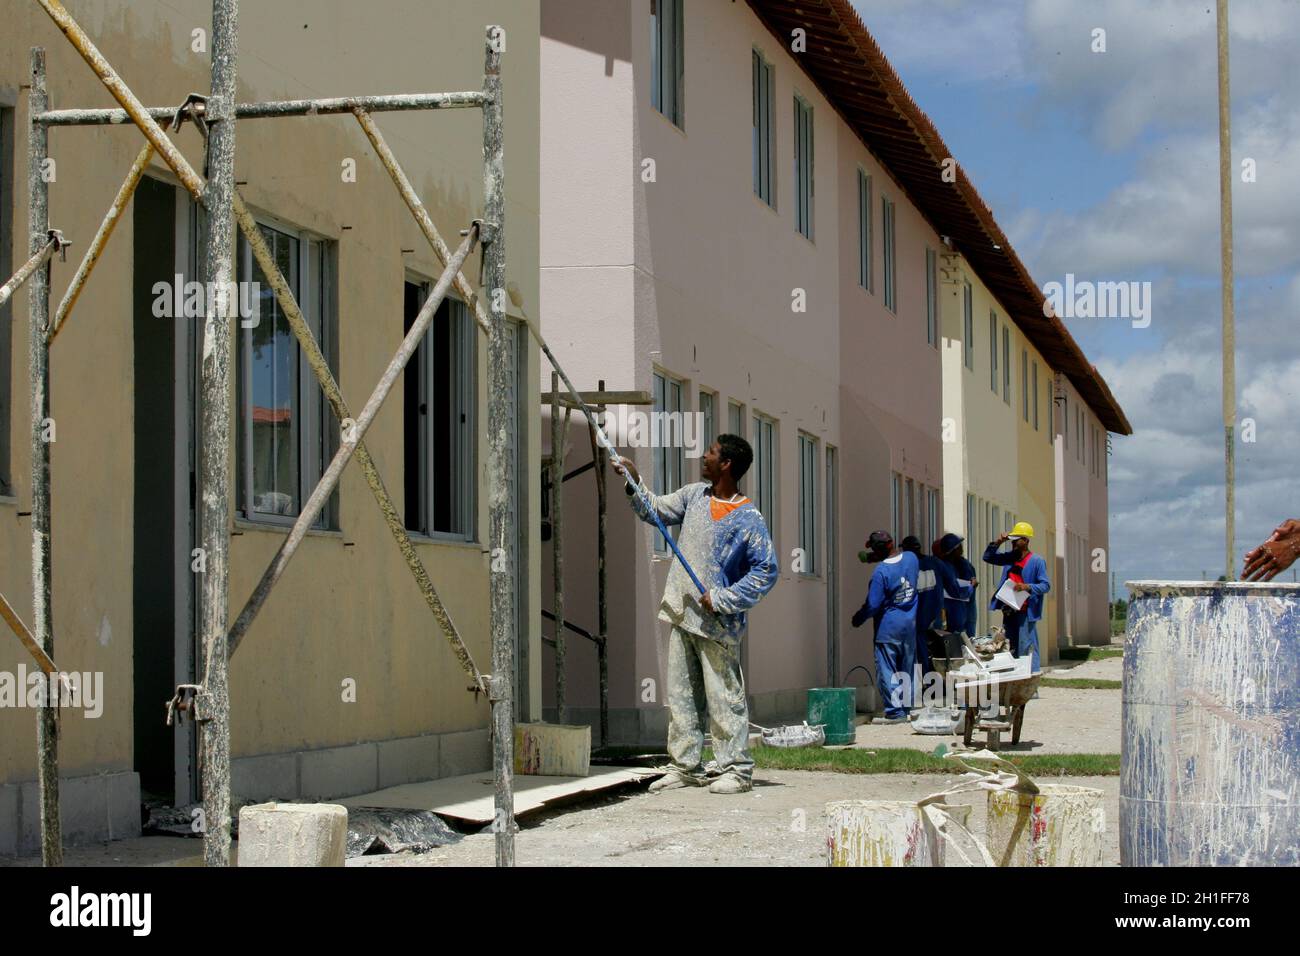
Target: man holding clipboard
(1020, 593)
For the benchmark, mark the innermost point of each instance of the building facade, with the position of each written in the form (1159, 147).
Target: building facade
(344, 683)
(732, 228)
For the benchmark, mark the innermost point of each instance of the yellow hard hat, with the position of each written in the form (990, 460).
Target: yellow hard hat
(1023, 529)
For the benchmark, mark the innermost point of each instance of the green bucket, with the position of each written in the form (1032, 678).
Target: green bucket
(834, 707)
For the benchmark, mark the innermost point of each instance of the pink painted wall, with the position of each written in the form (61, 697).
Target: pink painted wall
(694, 275)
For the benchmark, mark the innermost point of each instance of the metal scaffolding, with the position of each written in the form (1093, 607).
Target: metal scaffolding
(214, 116)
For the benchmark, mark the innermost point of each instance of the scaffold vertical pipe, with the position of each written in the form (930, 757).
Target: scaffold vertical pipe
(38, 225)
(215, 471)
(502, 534)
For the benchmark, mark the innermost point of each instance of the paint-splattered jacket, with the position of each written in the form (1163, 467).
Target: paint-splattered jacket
(733, 557)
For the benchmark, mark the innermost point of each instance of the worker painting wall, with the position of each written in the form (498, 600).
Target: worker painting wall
(762, 317)
(344, 682)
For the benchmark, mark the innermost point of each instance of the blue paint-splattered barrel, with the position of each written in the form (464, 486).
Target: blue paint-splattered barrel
(1210, 756)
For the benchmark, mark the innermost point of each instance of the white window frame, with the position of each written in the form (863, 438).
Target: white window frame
(667, 61)
(1006, 365)
(889, 250)
(1035, 392)
(865, 243)
(931, 297)
(314, 430)
(804, 167)
(766, 469)
(667, 470)
(763, 81)
(808, 460)
(463, 469)
(993, 351)
(968, 322)
(736, 418)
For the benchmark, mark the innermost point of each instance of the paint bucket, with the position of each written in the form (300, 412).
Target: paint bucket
(1210, 761)
(884, 833)
(834, 708)
(1061, 825)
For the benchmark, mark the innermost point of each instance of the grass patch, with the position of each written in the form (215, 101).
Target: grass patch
(1090, 653)
(906, 760)
(1080, 683)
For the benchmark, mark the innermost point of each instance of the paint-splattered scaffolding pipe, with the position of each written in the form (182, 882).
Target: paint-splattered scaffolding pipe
(503, 536)
(38, 223)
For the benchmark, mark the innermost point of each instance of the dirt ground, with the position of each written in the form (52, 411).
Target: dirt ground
(780, 823)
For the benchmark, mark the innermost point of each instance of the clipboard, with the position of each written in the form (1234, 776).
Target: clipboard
(1008, 595)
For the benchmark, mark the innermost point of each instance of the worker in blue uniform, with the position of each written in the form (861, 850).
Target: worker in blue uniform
(934, 578)
(959, 603)
(1027, 572)
(891, 604)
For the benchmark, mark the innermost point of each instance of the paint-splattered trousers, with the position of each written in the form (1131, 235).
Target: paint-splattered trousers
(1022, 635)
(705, 685)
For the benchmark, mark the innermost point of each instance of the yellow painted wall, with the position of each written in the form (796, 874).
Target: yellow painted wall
(347, 607)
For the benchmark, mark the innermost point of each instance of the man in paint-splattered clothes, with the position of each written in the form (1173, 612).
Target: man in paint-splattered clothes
(727, 543)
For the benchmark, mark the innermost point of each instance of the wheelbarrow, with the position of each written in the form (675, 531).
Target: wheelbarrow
(1012, 694)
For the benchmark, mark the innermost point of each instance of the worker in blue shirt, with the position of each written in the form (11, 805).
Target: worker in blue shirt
(959, 603)
(934, 578)
(1027, 572)
(891, 604)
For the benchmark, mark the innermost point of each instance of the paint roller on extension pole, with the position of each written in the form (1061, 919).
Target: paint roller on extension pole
(601, 438)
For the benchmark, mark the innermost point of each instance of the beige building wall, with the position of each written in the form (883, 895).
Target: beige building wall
(698, 283)
(347, 608)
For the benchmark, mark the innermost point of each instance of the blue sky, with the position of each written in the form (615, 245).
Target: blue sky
(1105, 164)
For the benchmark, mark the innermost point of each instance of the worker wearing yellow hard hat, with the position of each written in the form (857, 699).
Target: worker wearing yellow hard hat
(1020, 593)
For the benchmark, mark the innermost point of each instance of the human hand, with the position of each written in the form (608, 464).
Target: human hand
(625, 468)
(1003, 537)
(707, 600)
(1275, 555)
(1021, 586)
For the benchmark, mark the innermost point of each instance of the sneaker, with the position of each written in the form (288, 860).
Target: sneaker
(889, 720)
(730, 783)
(671, 781)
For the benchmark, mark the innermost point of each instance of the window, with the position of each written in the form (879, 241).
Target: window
(803, 168)
(666, 59)
(864, 231)
(1006, 365)
(1050, 408)
(993, 352)
(970, 517)
(995, 526)
(764, 127)
(1065, 419)
(895, 506)
(764, 486)
(910, 489)
(890, 265)
(968, 325)
(932, 525)
(808, 501)
(708, 418)
(1034, 388)
(1024, 383)
(6, 311)
(667, 439)
(287, 434)
(931, 298)
(736, 418)
(439, 395)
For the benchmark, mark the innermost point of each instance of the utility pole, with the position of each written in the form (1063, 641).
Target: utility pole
(1225, 256)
